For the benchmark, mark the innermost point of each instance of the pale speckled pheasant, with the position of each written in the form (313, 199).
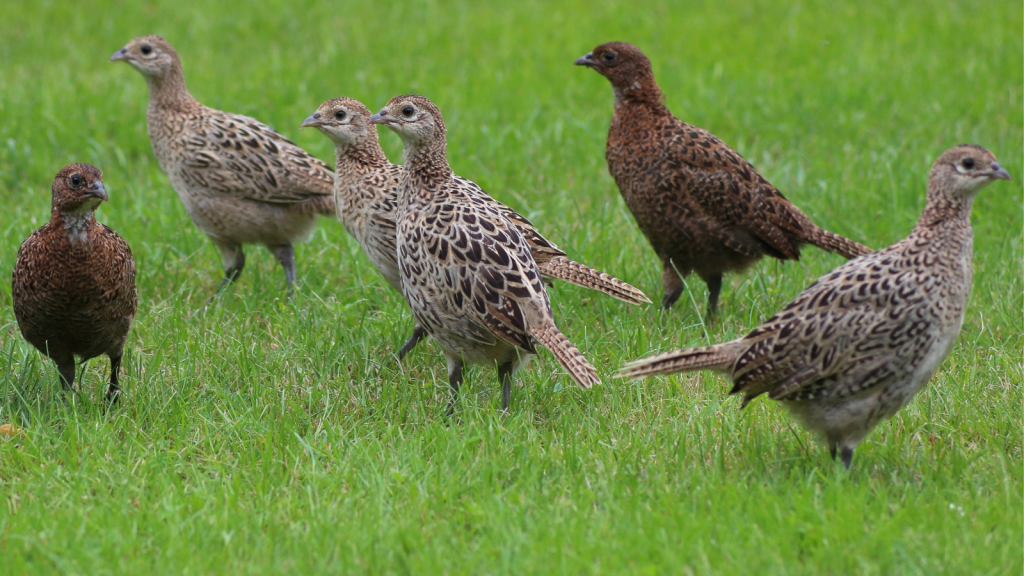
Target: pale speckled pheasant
(468, 273)
(702, 207)
(74, 280)
(241, 182)
(858, 344)
(366, 188)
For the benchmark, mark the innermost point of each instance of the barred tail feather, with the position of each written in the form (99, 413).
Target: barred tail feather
(837, 244)
(567, 355)
(685, 360)
(582, 275)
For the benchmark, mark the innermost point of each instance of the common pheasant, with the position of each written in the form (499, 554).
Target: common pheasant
(74, 280)
(467, 271)
(702, 207)
(240, 181)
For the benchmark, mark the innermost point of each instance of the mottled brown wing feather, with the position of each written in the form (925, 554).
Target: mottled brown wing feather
(489, 264)
(240, 156)
(384, 229)
(850, 319)
(552, 260)
(120, 272)
(25, 291)
(729, 189)
(542, 248)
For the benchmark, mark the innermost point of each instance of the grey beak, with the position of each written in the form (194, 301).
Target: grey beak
(379, 118)
(98, 191)
(585, 60)
(313, 120)
(121, 54)
(1000, 173)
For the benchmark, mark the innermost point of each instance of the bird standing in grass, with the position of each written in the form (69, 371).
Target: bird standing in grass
(366, 189)
(702, 207)
(468, 273)
(74, 280)
(858, 344)
(241, 182)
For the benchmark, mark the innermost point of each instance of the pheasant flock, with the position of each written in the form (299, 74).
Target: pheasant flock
(847, 353)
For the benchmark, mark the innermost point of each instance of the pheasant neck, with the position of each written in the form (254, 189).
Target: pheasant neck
(426, 167)
(74, 224)
(944, 207)
(169, 90)
(363, 154)
(355, 166)
(643, 90)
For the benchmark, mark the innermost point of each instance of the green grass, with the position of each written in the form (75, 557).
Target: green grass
(281, 437)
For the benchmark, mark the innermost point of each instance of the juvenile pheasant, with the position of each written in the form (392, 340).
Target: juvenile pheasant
(241, 182)
(702, 207)
(366, 189)
(467, 271)
(74, 280)
(858, 344)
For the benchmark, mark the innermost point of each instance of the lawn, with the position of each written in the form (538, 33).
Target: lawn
(272, 436)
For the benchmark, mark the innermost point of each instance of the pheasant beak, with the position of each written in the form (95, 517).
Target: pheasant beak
(313, 120)
(585, 60)
(98, 191)
(1000, 173)
(121, 54)
(380, 118)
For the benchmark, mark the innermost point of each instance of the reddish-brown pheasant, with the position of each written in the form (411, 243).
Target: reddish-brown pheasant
(74, 281)
(702, 207)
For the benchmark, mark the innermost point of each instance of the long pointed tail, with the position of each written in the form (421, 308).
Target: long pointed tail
(582, 275)
(837, 244)
(567, 355)
(707, 357)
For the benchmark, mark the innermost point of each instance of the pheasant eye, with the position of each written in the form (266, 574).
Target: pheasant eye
(76, 180)
(407, 111)
(609, 56)
(968, 163)
(147, 49)
(339, 114)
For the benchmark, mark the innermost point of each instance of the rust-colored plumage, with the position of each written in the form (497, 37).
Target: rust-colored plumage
(702, 207)
(240, 181)
(74, 280)
(366, 187)
(858, 344)
(468, 273)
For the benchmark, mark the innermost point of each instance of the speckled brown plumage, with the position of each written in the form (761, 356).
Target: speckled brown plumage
(702, 207)
(74, 280)
(858, 344)
(241, 182)
(367, 186)
(468, 273)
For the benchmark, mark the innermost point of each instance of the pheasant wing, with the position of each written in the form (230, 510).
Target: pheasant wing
(242, 157)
